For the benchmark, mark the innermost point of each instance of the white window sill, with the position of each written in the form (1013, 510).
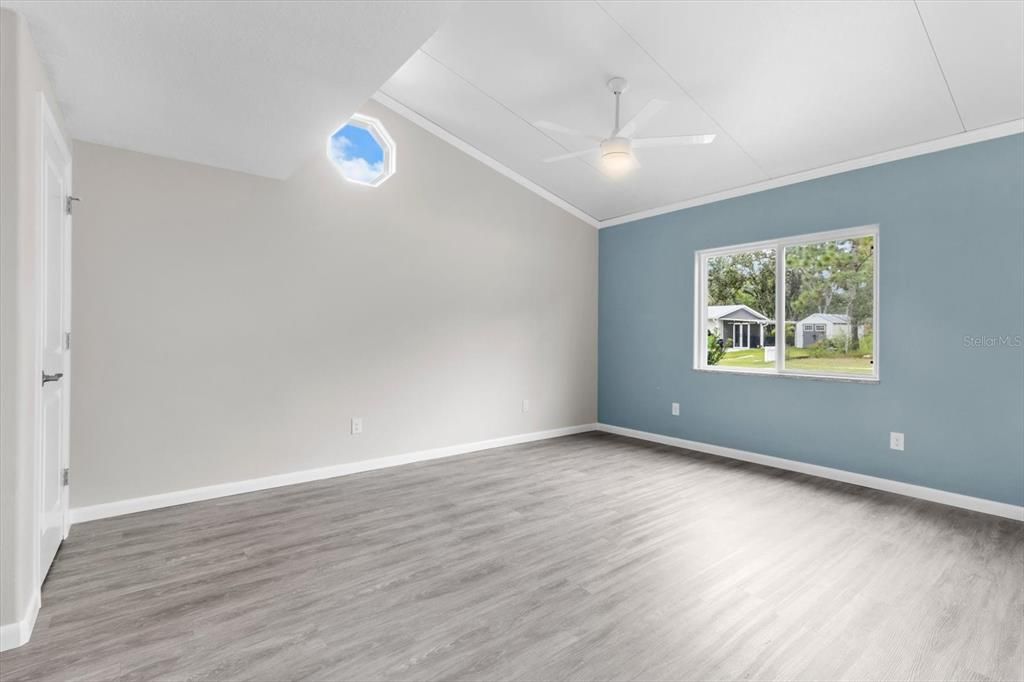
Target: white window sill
(849, 379)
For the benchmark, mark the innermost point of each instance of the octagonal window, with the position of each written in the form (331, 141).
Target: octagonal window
(363, 151)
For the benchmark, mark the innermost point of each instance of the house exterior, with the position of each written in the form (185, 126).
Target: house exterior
(820, 326)
(740, 324)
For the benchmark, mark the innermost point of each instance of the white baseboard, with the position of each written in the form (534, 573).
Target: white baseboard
(13, 635)
(16, 634)
(137, 504)
(977, 504)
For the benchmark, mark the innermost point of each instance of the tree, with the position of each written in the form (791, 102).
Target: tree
(855, 278)
(794, 288)
(743, 279)
(827, 277)
(834, 277)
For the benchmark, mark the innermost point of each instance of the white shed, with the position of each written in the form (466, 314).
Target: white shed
(819, 326)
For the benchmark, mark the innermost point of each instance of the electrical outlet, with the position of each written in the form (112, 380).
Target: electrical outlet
(675, 409)
(357, 425)
(526, 405)
(895, 440)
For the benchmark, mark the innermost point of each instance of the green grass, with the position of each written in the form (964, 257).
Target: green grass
(750, 359)
(798, 359)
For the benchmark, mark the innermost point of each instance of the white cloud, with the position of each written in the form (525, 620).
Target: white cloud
(353, 167)
(339, 146)
(359, 170)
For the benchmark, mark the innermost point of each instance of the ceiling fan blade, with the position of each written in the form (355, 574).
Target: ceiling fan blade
(571, 155)
(556, 128)
(642, 117)
(673, 141)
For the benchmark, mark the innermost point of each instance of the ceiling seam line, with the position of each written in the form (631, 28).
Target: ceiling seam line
(503, 106)
(693, 99)
(938, 63)
(512, 170)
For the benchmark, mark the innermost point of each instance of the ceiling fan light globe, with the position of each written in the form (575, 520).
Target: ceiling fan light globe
(617, 163)
(617, 156)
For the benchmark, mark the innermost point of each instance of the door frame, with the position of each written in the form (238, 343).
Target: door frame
(741, 332)
(48, 128)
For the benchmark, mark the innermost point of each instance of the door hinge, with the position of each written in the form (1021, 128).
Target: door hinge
(67, 340)
(65, 476)
(68, 203)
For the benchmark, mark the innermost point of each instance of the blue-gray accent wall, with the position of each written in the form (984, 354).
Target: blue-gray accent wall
(951, 265)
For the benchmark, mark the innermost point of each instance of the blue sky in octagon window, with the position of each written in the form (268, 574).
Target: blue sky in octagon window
(357, 153)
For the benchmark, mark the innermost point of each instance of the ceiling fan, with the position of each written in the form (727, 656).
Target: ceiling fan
(616, 150)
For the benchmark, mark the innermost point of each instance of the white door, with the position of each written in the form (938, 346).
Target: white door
(55, 319)
(740, 335)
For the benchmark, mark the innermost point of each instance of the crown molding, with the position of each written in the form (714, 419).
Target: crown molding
(492, 163)
(937, 145)
(940, 144)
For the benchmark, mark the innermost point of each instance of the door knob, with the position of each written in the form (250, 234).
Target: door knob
(51, 377)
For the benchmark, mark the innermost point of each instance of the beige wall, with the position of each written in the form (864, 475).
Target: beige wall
(22, 79)
(227, 327)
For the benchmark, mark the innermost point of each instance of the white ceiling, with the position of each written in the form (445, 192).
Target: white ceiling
(787, 86)
(249, 86)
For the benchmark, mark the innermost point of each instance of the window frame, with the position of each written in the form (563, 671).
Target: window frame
(779, 245)
(380, 136)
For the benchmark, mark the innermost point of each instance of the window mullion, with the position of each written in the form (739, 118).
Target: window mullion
(780, 307)
(825, 268)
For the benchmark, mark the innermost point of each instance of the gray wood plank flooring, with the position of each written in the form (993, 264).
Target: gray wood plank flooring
(590, 557)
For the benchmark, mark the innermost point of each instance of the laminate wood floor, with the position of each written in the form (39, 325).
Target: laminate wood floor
(591, 557)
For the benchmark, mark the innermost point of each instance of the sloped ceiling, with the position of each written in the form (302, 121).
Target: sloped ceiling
(787, 86)
(248, 86)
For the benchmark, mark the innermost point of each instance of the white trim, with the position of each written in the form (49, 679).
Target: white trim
(18, 633)
(740, 319)
(490, 162)
(380, 135)
(51, 122)
(68, 223)
(793, 240)
(48, 128)
(770, 372)
(780, 309)
(937, 145)
(45, 121)
(130, 506)
(779, 246)
(920, 492)
(700, 321)
(940, 144)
